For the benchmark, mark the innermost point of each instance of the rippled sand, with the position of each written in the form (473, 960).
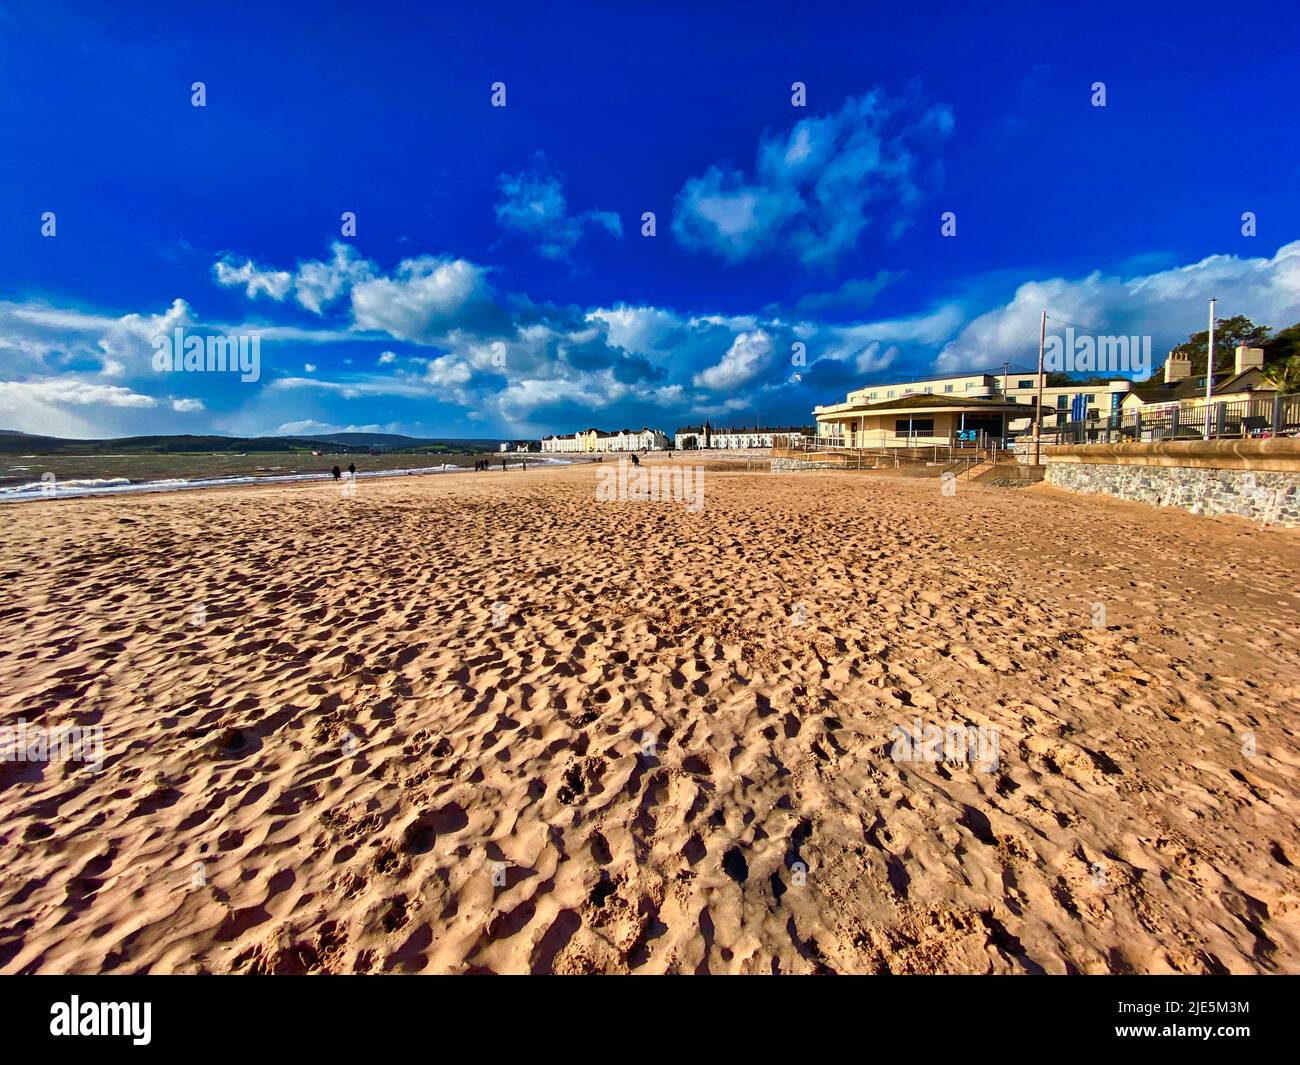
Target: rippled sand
(487, 723)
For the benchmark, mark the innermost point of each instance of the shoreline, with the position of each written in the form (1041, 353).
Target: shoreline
(34, 493)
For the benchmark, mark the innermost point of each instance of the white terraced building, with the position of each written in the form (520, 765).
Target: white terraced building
(598, 441)
(706, 436)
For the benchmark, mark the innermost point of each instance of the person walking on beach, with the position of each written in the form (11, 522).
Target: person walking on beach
(336, 472)
(635, 461)
(352, 470)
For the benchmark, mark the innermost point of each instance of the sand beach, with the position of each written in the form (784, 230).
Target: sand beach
(495, 723)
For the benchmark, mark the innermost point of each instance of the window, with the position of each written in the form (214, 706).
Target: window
(947, 388)
(1024, 384)
(929, 390)
(1062, 402)
(970, 385)
(891, 394)
(875, 394)
(921, 426)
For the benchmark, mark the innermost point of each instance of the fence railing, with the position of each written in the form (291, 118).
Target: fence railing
(873, 440)
(1196, 420)
(949, 451)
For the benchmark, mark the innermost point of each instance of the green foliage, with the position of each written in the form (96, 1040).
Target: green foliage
(1229, 334)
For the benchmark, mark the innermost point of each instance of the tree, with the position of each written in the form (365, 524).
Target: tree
(1229, 334)
(1284, 376)
(1282, 360)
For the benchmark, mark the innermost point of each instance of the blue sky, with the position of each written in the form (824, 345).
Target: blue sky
(499, 283)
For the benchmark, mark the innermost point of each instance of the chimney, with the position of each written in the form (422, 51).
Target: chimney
(1248, 359)
(1177, 368)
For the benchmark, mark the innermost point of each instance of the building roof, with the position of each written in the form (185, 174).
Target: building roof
(754, 429)
(751, 429)
(1194, 387)
(929, 401)
(960, 375)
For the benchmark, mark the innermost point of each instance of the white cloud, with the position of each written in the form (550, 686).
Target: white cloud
(386, 358)
(448, 371)
(747, 357)
(1168, 305)
(815, 190)
(255, 281)
(188, 406)
(532, 205)
(70, 407)
(427, 296)
(76, 393)
(311, 427)
(318, 284)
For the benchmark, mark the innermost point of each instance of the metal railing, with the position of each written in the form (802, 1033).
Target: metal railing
(949, 454)
(1227, 419)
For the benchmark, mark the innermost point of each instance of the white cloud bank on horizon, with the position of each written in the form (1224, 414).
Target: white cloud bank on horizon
(526, 367)
(1169, 306)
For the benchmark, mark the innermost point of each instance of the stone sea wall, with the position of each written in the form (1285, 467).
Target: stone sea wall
(1259, 480)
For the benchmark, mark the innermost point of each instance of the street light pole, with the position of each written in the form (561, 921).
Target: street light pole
(1209, 369)
(1038, 413)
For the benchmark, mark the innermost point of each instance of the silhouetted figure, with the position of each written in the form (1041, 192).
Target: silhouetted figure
(352, 469)
(635, 461)
(337, 473)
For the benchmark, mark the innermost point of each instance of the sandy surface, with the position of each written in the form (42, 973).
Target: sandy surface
(666, 736)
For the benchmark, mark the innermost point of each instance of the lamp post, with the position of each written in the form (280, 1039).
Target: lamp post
(1209, 369)
(1038, 412)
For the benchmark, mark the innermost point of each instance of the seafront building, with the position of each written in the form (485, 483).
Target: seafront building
(1179, 386)
(996, 405)
(598, 441)
(973, 405)
(706, 436)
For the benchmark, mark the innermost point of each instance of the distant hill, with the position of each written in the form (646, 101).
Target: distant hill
(370, 439)
(13, 442)
(393, 441)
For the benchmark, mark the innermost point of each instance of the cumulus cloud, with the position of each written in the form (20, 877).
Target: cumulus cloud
(188, 406)
(426, 297)
(747, 357)
(818, 187)
(41, 338)
(1168, 305)
(315, 283)
(508, 361)
(67, 406)
(318, 284)
(76, 393)
(533, 206)
(255, 281)
(312, 427)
